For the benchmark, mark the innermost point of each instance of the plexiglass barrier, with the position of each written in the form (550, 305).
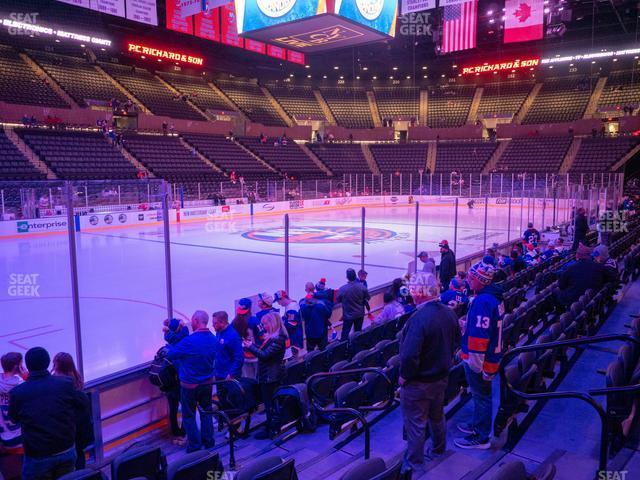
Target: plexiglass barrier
(93, 268)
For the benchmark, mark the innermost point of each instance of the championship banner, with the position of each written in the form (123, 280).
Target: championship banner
(189, 8)
(207, 25)
(414, 6)
(229, 27)
(143, 11)
(175, 20)
(448, 3)
(112, 7)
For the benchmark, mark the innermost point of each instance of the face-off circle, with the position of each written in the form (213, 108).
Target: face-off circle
(320, 234)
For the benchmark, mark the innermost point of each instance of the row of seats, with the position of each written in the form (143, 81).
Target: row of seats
(78, 78)
(398, 103)
(463, 157)
(503, 99)
(20, 85)
(75, 155)
(151, 92)
(341, 158)
(448, 105)
(621, 90)
(534, 154)
(13, 164)
(197, 89)
(561, 100)
(287, 158)
(599, 154)
(250, 98)
(406, 157)
(350, 106)
(298, 101)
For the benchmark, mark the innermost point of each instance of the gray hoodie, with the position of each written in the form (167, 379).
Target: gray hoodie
(10, 433)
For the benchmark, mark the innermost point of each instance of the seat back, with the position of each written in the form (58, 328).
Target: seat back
(284, 471)
(252, 469)
(84, 474)
(147, 462)
(195, 465)
(365, 470)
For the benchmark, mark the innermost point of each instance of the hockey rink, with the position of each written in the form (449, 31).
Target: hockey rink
(121, 271)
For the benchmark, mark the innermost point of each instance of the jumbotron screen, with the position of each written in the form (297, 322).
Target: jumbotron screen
(317, 25)
(257, 14)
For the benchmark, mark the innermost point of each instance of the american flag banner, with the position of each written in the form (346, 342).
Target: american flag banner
(459, 26)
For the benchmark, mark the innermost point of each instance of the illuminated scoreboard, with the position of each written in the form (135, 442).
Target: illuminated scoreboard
(316, 25)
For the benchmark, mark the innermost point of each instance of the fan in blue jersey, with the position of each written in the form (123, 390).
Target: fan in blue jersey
(455, 297)
(531, 235)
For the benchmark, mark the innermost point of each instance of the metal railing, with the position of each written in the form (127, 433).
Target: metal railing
(587, 397)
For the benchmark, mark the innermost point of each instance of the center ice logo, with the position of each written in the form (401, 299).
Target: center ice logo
(313, 234)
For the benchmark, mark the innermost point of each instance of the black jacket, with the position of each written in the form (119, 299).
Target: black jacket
(430, 340)
(447, 268)
(47, 408)
(581, 228)
(353, 296)
(270, 359)
(578, 277)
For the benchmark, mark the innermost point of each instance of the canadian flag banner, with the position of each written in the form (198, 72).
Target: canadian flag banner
(524, 20)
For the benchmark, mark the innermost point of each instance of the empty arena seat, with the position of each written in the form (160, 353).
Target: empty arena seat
(349, 105)
(341, 158)
(289, 158)
(84, 474)
(373, 469)
(298, 101)
(448, 105)
(597, 155)
(621, 90)
(228, 156)
(268, 468)
(195, 465)
(78, 78)
(406, 157)
(166, 157)
(534, 154)
(13, 164)
(78, 155)
(398, 103)
(198, 91)
(517, 471)
(503, 99)
(147, 462)
(561, 99)
(250, 98)
(463, 157)
(151, 92)
(19, 84)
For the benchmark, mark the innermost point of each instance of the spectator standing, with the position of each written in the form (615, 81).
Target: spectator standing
(447, 264)
(241, 325)
(455, 297)
(481, 352)
(580, 228)
(270, 354)
(47, 408)
(194, 356)
(315, 314)
(362, 278)
(265, 303)
(429, 342)
(174, 331)
(531, 235)
(63, 365)
(229, 354)
(353, 296)
(292, 320)
(10, 434)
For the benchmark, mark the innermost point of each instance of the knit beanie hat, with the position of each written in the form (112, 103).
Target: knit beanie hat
(483, 272)
(37, 359)
(583, 252)
(174, 323)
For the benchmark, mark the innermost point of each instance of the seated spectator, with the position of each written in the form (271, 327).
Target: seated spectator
(63, 365)
(518, 262)
(531, 255)
(270, 355)
(462, 276)
(601, 256)
(10, 434)
(402, 294)
(47, 408)
(392, 309)
(579, 277)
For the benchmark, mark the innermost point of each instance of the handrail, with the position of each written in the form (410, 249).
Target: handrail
(357, 413)
(584, 396)
(225, 418)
